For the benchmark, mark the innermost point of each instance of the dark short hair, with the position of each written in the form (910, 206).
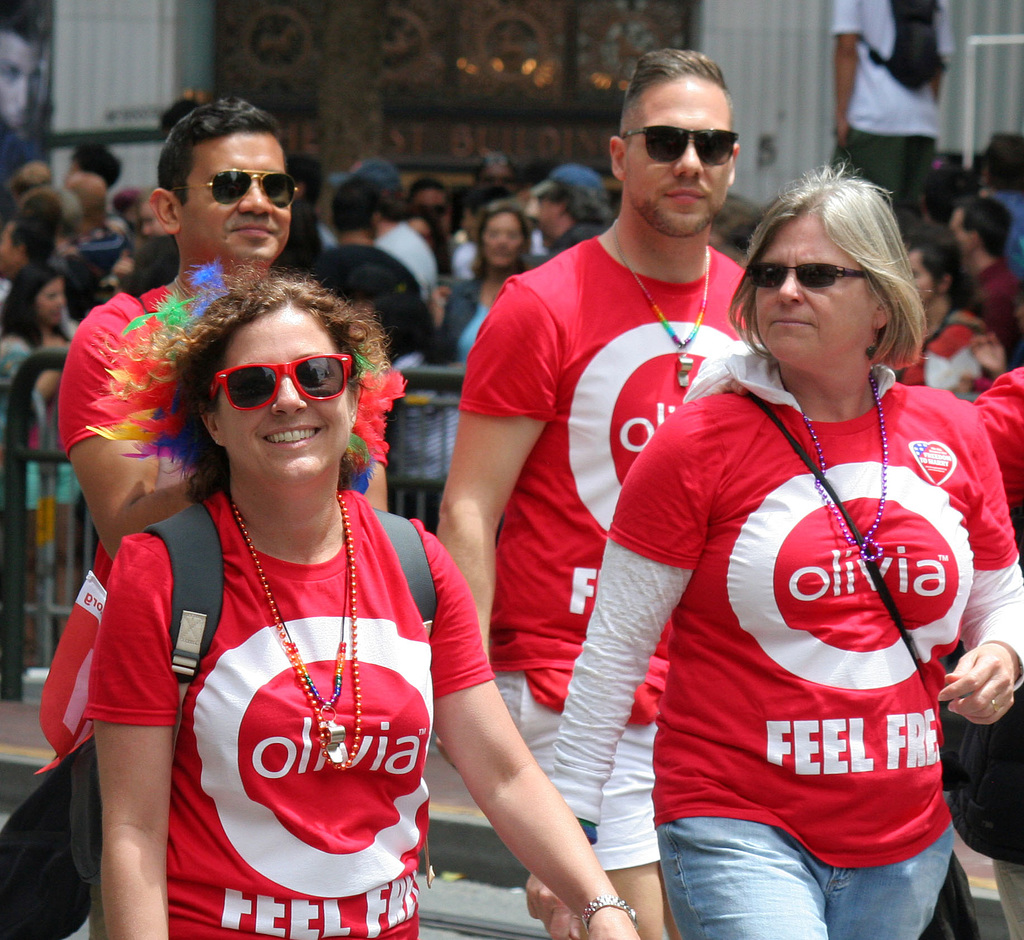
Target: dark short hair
(426, 182)
(207, 122)
(582, 203)
(661, 66)
(944, 186)
(987, 216)
(23, 19)
(306, 169)
(1004, 161)
(43, 204)
(35, 236)
(940, 256)
(354, 203)
(176, 112)
(96, 158)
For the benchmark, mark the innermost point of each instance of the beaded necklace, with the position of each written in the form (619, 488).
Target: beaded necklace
(685, 360)
(332, 732)
(869, 548)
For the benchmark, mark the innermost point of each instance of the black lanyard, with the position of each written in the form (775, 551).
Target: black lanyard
(876, 575)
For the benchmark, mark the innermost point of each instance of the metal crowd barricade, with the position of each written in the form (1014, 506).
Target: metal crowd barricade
(421, 434)
(60, 531)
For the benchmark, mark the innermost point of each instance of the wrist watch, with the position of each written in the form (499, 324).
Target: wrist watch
(606, 900)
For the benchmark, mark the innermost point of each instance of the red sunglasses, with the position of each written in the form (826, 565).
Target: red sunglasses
(256, 384)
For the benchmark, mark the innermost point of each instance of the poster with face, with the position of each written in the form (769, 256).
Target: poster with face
(25, 37)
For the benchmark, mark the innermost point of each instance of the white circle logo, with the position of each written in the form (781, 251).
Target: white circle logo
(940, 586)
(253, 829)
(594, 441)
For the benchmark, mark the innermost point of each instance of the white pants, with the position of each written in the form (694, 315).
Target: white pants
(626, 835)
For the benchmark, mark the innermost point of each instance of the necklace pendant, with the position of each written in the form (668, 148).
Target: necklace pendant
(685, 366)
(334, 744)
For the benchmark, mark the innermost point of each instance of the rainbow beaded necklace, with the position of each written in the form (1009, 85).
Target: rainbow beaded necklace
(331, 731)
(685, 360)
(869, 548)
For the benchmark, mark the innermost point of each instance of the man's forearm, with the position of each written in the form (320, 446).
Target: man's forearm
(470, 541)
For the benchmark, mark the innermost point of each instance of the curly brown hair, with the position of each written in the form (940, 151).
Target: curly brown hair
(198, 354)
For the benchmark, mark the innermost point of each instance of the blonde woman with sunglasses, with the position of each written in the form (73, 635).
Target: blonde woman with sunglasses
(816, 544)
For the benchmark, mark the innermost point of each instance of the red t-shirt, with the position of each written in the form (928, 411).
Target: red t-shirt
(86, 381)
(574, 344)
(1002, 412)
(263, 838)
(791, 699)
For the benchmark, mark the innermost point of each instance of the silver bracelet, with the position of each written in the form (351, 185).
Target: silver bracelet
(606, 900)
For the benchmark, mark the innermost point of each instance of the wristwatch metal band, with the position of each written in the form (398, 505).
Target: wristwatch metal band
(606, 900)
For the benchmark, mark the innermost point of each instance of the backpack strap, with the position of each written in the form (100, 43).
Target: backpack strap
(413, 557)
(197, 566)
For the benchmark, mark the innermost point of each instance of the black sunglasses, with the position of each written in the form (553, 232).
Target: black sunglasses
(252, 386)
(667, 144)
(766, 274)
(229, 186)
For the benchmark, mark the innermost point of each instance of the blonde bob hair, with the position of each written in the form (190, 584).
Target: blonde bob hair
(858, 218)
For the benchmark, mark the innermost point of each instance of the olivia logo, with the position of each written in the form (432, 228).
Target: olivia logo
(936, 460)
(626, 391)
(805, 609)
(246, 768)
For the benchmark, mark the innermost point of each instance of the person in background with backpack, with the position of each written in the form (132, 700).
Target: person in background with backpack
(889, 58)
(291, 801)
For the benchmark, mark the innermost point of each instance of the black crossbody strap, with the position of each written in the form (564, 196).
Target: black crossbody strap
(876, 575)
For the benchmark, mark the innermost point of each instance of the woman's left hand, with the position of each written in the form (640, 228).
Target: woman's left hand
(981, 686)
(558, 920)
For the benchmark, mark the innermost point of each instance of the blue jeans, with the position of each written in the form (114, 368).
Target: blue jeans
(729, 879)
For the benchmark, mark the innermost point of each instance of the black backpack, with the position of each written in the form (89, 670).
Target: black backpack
(915, 59)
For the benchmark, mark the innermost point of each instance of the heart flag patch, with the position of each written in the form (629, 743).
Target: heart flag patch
(936, 460)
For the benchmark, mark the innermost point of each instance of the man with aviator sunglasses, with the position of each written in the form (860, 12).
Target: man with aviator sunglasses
(576, 364)
(224, 196)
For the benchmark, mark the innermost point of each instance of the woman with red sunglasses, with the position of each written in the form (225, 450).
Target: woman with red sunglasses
(816, 545)
(291, 799)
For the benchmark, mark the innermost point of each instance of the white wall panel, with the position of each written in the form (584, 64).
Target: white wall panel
(114, 63)
(778, 68)
(999, 90)
(777, 58)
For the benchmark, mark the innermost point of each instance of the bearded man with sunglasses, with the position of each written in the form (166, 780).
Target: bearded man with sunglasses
(576, 365)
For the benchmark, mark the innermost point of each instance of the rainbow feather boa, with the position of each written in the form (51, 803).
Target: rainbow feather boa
(143, 401)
